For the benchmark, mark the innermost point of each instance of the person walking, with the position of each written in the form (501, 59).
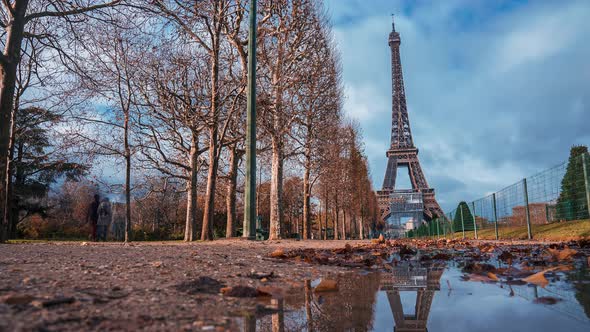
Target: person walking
(92, 215)
(105, 216)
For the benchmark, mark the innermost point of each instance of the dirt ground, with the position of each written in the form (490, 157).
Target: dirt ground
(151, 286)
(172, 286)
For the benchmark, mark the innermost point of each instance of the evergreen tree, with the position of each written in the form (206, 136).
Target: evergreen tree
(572, 203)
(467, 218)
(36, 164)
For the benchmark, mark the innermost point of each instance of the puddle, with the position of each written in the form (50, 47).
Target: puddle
(431, 299)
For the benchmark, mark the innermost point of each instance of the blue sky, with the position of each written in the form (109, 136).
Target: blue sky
(496, 90)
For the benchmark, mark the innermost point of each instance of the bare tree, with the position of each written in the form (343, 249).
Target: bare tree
(110, 75)
(320, 99)
(172, 128)
(204, 22)
(286, 38)
(15, 17)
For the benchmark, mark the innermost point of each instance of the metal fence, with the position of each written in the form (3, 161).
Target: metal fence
(557, 194)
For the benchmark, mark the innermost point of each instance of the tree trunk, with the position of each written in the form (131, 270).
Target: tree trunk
(11, 209)
(127, 179)
(320, 221)
(344, 224)
(11, 58)
(231, 192)
(209, 208)
(326, 211)
(336, 224)
(361, 228)
(190, 230)
(306, 203)
(276, 190)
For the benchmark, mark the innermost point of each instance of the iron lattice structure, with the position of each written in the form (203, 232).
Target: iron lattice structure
(402, 151)
(425, 282)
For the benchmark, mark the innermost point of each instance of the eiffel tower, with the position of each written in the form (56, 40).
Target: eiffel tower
(393, 203)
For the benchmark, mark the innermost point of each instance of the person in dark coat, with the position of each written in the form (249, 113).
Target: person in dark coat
(92, 215)
(105, 218)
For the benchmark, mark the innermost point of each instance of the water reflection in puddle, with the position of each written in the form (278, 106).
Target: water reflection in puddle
(430, 299)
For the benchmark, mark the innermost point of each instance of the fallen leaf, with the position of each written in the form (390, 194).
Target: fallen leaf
(477, 277)
(561, 255)
(270, 291)
(505, 256)
(53, 302)
(539, 278)
(472, 267)
(157, 264)
(546, 300)
(279, 253)
(16, 299)
(493, 276)
(562, 267)
(327, 285)
(200, 285)
(239, 291)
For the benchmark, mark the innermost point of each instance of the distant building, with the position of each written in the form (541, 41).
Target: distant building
(540, 213)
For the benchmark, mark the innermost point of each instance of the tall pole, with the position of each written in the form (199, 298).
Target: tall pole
(586, 185)
(495, 215)
(528, 212)
(250, 188)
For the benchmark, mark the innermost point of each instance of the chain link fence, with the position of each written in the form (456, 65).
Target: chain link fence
(529, 206)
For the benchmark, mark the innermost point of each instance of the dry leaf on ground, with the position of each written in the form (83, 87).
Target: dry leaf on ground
(561, 255)
(16, 299)
(327, 285)
(539, 278)
(279, 253)
(546, 300)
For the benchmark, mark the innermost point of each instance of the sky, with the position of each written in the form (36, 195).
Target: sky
(496, 90)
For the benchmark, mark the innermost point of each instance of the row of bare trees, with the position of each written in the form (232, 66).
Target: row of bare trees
(152, 94)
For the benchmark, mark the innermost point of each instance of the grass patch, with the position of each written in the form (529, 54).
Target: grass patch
(557, 231)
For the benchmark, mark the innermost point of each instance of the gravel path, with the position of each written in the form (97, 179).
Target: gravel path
(59, 286)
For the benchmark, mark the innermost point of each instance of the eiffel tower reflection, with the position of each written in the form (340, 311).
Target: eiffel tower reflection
(351, 308)
(424, 281)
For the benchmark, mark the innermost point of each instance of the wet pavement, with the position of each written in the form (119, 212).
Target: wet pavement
(432, 297)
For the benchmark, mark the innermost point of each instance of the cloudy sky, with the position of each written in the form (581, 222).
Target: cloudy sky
(496, 90)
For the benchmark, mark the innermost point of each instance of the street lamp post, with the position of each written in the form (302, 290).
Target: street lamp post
(250, 189)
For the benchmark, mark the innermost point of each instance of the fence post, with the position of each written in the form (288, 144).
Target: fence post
(586, 185)
(462, 221)
(495, 215)
(451, 221)
(437, 229)
(526, 206)
(473, 216)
